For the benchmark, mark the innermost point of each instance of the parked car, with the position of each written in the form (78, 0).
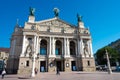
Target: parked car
(118, 68)
(101, 68)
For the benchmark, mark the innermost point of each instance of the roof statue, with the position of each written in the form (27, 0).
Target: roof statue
(56, 12)
(79, 18)
(32, 10)
(17, 25)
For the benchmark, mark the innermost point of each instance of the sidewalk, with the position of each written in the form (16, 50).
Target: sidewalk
(67, 76)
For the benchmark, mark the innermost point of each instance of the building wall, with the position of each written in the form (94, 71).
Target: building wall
(26, 43)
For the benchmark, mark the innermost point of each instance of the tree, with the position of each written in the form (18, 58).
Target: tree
(100, 56)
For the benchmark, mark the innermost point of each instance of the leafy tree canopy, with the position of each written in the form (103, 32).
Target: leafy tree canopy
(100, 56)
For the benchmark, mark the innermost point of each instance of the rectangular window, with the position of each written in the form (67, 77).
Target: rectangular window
(27, 63)
(88, 62)
(43, 51)
(56, 51)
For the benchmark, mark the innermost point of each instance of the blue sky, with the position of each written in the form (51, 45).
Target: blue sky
(101, 16)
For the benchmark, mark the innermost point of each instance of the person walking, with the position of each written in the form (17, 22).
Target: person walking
(36, 70)
(3, 73)
(58, 72)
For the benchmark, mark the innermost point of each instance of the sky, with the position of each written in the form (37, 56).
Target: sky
(102, 17)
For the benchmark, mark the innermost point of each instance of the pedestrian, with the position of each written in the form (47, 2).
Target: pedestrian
(58, 72)
(36, 70)
(3, 73)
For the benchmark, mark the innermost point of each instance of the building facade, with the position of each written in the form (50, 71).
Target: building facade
(49, 45)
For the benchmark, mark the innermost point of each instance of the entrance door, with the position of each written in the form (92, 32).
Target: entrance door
(58, 65)
(42, 66)
(73, 66)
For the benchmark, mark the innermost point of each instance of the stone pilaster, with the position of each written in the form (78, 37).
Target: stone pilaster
(31, 19)
(39, 42)
(67, 65)
(91, 51)
(79, 63)
(81, 24)
(76, 48)
(88, 64)
(78, 51)
(81, 47)
(88, 49)
(51, 65)
(23, 46)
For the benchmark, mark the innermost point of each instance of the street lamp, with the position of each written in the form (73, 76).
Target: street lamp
(108, 63)
(33, 65)
(32, 56)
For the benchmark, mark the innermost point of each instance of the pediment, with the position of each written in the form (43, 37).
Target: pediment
(54, 22)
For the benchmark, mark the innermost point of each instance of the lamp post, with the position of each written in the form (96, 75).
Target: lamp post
(32, 57)
(108, 63)
(32, 54)
(33, 65)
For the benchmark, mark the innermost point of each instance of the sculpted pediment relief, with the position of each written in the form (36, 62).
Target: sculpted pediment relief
(52, 25)
(54, 22)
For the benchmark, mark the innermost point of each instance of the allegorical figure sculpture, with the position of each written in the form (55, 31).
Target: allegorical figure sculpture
(56, 12)
(79, 18)
(85, 48)
(32, 10)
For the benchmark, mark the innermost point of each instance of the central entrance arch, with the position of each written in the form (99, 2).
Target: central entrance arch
(60, 65)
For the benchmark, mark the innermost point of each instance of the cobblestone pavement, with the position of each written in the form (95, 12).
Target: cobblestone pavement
(67, 76)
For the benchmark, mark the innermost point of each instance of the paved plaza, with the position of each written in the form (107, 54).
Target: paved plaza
(68, 76)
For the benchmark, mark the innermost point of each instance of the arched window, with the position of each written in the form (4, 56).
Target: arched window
(43, 47)
(72, 48)
(58, 49)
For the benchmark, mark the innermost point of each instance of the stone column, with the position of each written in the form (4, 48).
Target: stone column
(91, 51)
(68, 48)
(65, 47)
(34, 47)
(23, 46)
(53, 47)
(39, 41)
(50, 47)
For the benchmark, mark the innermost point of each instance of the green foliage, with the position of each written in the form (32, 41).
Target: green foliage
(100, 55)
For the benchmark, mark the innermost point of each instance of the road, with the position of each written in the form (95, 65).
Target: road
(67, 76)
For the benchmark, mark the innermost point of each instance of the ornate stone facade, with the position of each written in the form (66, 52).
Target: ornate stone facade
(51, 44)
